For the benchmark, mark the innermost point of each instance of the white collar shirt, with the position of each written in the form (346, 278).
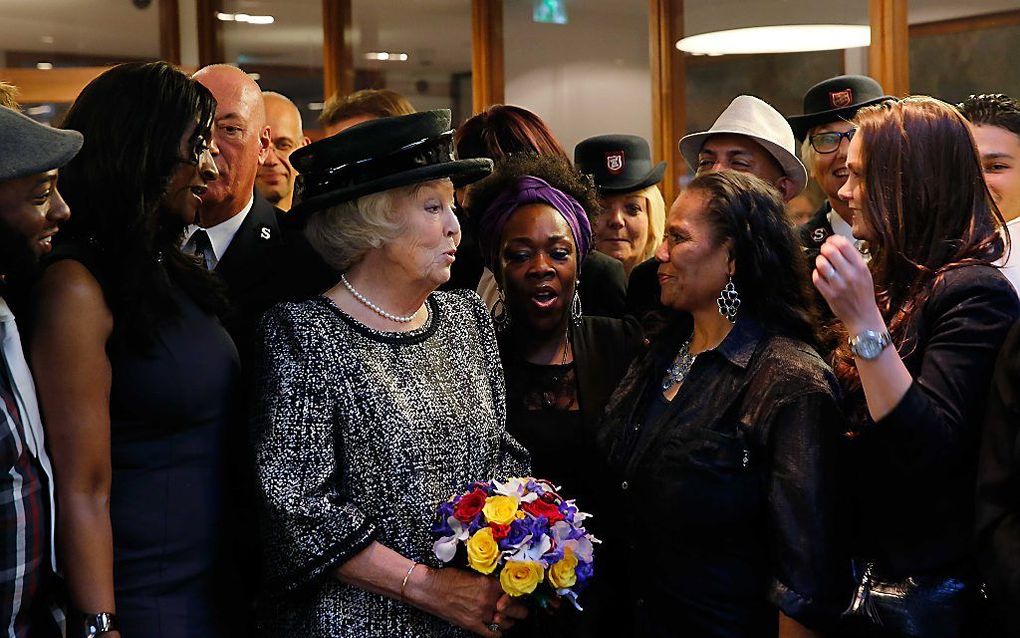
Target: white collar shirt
(222, 233)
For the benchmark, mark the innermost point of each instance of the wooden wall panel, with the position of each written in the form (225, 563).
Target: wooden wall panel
(170, 31)
(889, 54)
(337, 50)
(487, 75)
(668, 90)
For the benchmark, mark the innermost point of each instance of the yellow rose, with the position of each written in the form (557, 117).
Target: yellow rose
(520, 577)
(562, 574)
(482, 551)
(500, 509)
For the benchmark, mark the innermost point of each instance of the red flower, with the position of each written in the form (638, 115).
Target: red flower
(541, 508)
(499, 531)
(469, 506)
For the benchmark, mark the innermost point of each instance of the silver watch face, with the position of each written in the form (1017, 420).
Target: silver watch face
(868, 345)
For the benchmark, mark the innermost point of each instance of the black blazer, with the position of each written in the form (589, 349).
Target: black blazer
(603, 288)
(998, 494)
(268, 261)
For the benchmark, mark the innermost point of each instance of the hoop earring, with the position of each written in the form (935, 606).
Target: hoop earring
(575, 307)
(729, 301)
(500, 314)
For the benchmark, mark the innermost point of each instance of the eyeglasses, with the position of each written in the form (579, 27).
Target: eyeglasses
(825, 143)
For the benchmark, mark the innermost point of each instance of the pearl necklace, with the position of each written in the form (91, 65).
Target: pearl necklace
(374, 308)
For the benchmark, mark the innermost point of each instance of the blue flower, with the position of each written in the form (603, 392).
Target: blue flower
(584, 573)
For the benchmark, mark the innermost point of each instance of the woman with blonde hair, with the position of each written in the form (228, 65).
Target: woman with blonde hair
(634, 213)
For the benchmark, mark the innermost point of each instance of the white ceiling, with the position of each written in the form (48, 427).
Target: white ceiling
(436, 33)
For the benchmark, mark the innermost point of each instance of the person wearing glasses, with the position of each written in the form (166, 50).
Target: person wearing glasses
(824, 131)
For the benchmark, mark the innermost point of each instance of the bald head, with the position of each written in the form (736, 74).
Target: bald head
(241, 140)
(276, 175)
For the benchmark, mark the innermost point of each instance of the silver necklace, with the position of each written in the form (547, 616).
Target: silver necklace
(374, 308)
(680, 368)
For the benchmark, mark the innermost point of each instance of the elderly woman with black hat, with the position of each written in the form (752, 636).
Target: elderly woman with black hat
(824, 131)
(379, 399)
(633, 212)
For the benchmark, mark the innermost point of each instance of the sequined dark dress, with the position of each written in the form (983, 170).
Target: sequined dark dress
(360, 434)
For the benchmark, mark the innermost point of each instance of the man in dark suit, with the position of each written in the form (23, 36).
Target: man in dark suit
(260, 254)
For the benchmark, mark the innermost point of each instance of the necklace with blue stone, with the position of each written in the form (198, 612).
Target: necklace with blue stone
(680, 368)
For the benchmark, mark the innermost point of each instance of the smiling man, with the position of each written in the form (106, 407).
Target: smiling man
(995, 123)
(750, 136)
(275, 179)
(31, 211)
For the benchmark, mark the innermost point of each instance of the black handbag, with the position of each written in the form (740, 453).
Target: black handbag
(921, 606)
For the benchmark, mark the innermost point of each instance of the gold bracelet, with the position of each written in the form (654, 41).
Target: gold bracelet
(406, 577)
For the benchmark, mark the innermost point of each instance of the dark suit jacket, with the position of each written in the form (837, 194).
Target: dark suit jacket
(268, 261)
(643, 290)
(603, 287)
(998, 494)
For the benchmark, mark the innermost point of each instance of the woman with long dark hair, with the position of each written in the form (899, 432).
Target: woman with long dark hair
(722, 437)
(136, 376)
(919, 328)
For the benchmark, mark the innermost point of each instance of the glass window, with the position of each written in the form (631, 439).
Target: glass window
(589, 75)
(39, 38)
(958, 49)
(780, 78)
(420, 49)
(282, 55)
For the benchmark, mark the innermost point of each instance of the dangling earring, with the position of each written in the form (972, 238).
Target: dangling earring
(500, 313)
(575, 307)
(729, 301)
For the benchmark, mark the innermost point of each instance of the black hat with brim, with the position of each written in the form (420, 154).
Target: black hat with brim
(378, 155)
(835, 99)
(28, 147)
(618, 163)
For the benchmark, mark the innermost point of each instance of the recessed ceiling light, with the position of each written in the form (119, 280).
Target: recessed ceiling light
(244, 18)
(315, 106)
(384, 55)
(778, 39)
(47, 39)
(44, 66)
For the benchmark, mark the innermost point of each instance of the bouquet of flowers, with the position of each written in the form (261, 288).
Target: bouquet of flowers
(521, 530)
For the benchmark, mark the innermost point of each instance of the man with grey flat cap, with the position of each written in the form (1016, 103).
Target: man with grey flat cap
(750, 136)
(31, 211)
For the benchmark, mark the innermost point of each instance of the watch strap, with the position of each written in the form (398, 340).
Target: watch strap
(101, 623)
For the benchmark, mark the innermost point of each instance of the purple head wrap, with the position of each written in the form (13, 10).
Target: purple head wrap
(532, 190)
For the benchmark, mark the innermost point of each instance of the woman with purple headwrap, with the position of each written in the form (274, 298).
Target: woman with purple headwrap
(561, 367)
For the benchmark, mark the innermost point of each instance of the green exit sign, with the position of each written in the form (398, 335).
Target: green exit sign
(550, 12)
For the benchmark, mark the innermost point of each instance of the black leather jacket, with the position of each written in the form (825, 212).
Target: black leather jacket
(725, 504)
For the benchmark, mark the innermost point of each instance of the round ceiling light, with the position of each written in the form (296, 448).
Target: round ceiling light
(777, 39)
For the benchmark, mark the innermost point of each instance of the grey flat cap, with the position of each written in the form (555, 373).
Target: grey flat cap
(27, 147)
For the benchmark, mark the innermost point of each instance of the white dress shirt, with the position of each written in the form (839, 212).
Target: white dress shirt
(221, 234)
(1011, 264)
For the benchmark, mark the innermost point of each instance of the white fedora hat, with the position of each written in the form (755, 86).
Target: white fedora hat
(755, 118)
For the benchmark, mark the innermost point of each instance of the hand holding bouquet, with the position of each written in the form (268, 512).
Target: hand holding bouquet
(522, 531)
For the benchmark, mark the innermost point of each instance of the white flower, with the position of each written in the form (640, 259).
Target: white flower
(446, 547)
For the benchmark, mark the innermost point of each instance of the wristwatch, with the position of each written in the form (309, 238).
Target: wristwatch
(98, 624)
(869, 344)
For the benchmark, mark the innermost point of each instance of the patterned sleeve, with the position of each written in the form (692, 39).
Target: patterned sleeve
(513, 459)
(308, 529)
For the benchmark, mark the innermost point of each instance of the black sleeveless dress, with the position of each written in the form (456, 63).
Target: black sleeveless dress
(176, 440)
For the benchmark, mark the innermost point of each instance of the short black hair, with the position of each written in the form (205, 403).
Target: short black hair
(992, 109)
(558, 172)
